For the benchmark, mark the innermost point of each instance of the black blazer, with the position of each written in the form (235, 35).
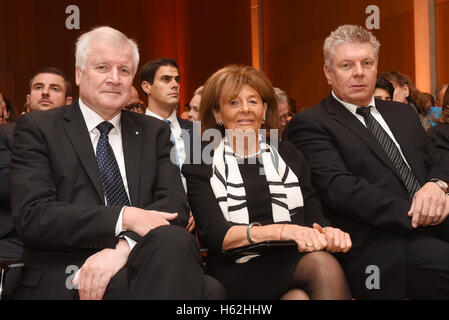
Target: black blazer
(439, 135)
(57, 196)
(6, 224)
(360, 188)
(210, 222)
(187, 138)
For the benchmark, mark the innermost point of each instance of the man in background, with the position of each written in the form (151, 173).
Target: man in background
(160, 82)
(49, 88)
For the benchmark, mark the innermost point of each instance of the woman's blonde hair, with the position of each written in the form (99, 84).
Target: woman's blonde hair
(229, 81)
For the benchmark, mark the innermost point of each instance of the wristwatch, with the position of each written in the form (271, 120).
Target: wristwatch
(443, 185)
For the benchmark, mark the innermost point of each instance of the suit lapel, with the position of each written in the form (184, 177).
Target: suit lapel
(132, 149)
(188, 139)
(188, 126)
(345, 117)
(76, 130)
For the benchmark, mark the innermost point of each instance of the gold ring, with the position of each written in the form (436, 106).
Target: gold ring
(309, 246)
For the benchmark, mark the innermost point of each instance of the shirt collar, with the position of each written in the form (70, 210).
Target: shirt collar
(352, 107)
(172, 118)
(93, 119)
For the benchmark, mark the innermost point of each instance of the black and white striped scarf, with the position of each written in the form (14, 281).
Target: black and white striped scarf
(227, 184)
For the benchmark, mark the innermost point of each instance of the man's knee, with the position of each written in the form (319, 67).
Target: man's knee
(428, 253)
(166, 243)
(213, 290)
(173, 238)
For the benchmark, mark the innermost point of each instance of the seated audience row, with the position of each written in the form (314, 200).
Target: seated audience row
(353, 188)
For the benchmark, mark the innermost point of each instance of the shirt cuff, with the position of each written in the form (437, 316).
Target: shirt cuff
(119, 229)
(119, 225)
(131, 242)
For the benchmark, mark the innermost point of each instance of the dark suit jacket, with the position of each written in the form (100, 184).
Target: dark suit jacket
(439, 135)
(360, 187)
(187, 138)
(57, 196)
(6, 134)
(211, 224)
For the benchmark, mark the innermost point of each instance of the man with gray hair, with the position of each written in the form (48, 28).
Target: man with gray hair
(102, 211)
(282, 100)
(378, 177)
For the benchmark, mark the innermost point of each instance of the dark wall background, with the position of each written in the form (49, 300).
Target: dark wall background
(442, 40)
(294, 32)
(204, 35)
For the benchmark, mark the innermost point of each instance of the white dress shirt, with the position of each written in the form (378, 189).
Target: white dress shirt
(376, 114)
(92, 120)
(179, 142)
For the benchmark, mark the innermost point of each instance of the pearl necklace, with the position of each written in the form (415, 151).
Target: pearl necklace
(252, 155)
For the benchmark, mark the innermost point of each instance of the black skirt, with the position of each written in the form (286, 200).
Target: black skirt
(266, 277)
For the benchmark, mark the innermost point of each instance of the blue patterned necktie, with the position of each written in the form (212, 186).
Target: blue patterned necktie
(172, 139)
(113, 187)
(408, 178)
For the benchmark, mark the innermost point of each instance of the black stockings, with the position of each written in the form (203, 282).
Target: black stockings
(320, 276)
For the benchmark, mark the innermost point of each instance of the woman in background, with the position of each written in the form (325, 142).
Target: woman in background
(439, 134)
(406, 92)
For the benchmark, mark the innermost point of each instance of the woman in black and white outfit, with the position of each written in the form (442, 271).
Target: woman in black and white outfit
(250, 191)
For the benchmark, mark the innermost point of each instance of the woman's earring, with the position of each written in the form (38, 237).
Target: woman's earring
(219, 123)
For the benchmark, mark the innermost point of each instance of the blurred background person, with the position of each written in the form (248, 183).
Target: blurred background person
(435, 110)
(282, 101)
(292, 108)
(384, 89)
(194, 113)
(135, 104)
(7, 110)
(406, 92)
(427, 99)
(185, 115)
(440, 91)
(439, 134)
(25, 108)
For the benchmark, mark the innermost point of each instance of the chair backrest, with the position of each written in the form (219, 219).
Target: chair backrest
(6, 266)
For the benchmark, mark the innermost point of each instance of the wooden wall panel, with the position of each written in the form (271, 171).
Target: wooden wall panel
(294, 32)
(442, 40)
(202, 35)
(212, 34)
(205, 35)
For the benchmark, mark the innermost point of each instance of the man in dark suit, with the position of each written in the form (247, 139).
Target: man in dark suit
(160, 82)
(48, 88)
(96, 200)
(374, 168)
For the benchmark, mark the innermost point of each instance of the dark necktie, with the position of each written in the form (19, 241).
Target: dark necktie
(113, 187)
(172, 139)
(408, 178)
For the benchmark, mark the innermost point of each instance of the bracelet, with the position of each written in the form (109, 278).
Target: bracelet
(282, 229)
(248, 236)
